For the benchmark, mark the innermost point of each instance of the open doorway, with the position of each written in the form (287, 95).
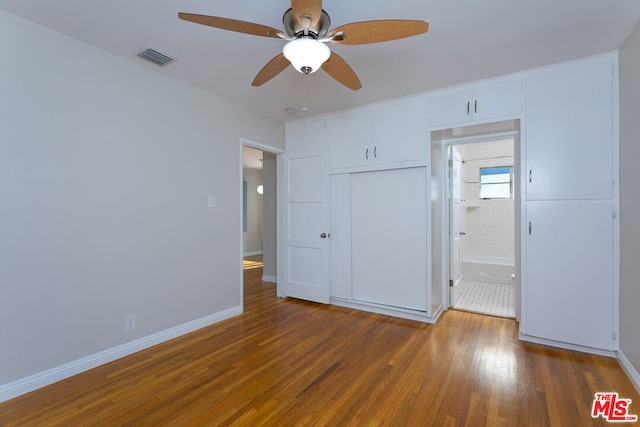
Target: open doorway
(481, 226)
(480, 218)
(259, 211)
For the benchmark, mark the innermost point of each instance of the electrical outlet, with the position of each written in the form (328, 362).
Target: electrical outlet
(130, 323)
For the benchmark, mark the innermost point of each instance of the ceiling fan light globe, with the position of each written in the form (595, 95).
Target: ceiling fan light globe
(306, 54)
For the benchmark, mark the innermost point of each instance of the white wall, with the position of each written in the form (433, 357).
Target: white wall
(630, 198)
(490, 225)
(252, 239)
(105, 168)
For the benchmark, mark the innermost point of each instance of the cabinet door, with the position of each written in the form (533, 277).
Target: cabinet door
(496, 100)
(449, 108)
(340, 240)
(349, 138)
(569, 272)
(401, 133)
(389, 237)
(569, 134)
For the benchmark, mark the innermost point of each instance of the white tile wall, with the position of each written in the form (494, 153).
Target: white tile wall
(490, 226)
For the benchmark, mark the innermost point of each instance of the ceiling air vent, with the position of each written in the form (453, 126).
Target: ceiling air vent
(156, 57)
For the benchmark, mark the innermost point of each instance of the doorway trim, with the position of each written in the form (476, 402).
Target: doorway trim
(278, 152)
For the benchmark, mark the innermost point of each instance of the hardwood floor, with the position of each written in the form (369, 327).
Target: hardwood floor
(288, 362)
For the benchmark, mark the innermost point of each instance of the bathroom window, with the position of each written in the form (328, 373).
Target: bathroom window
(496, 182)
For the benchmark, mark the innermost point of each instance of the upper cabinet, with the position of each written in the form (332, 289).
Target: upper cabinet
(401, 132)
(350, 139)
(494, 100)
(389, 136)
(569, 133)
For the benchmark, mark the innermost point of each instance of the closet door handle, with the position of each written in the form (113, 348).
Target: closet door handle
(529, 228)
(468, 105)
(366, 154)
(530, 175)
(375, 152)
(475, 106)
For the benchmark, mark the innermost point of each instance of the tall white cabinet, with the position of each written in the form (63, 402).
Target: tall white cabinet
(569, 263)
(385, 252)
(379, 251)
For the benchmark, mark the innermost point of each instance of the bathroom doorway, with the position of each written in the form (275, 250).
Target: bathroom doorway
(481, 217)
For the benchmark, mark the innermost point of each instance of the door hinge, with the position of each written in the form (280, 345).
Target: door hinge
(614, 215)
(450, 163)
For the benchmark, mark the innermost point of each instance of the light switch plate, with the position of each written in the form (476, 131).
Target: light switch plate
(212, 201)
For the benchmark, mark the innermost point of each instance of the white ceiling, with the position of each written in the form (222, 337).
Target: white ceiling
(467, 40)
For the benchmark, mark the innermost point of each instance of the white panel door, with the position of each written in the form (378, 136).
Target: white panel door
(306, 219)
(389, 237)
(569, 134)
(569, 272)
(455, 257)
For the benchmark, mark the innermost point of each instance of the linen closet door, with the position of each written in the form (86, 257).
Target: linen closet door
(570, 271)
(389, 237)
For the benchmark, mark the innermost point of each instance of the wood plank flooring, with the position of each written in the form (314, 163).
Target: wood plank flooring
(286, 362)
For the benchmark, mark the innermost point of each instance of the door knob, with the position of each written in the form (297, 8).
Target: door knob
(462, 233)
(325, 235)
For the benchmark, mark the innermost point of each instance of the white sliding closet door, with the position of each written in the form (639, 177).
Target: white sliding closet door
(389, 237)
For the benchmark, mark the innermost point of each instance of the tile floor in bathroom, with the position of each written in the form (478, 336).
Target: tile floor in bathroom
(487, 298)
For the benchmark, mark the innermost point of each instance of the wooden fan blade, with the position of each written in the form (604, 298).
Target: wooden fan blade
(379, 31)
(337, 68)
(312, 8)
(272, 69)
(232, 25)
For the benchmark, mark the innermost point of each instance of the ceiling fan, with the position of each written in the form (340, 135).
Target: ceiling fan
(307, 32)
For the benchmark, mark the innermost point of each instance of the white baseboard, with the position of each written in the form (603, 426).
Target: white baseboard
(402, 313)
(252, 253)
(50, 376)
(630, 370)
(270, 279)
(566, 346)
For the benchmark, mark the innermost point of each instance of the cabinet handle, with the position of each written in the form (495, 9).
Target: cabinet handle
(375, 152)
(475, 106)
(468, 104)
(366, 154)
(530, 174)
(529, 228)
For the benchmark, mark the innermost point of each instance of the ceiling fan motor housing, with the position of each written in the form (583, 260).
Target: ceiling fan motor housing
(295, 27)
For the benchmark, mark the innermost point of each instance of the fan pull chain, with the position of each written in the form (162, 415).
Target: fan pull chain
(306, 94)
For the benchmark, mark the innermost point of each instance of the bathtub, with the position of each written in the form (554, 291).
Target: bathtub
(488, 269)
